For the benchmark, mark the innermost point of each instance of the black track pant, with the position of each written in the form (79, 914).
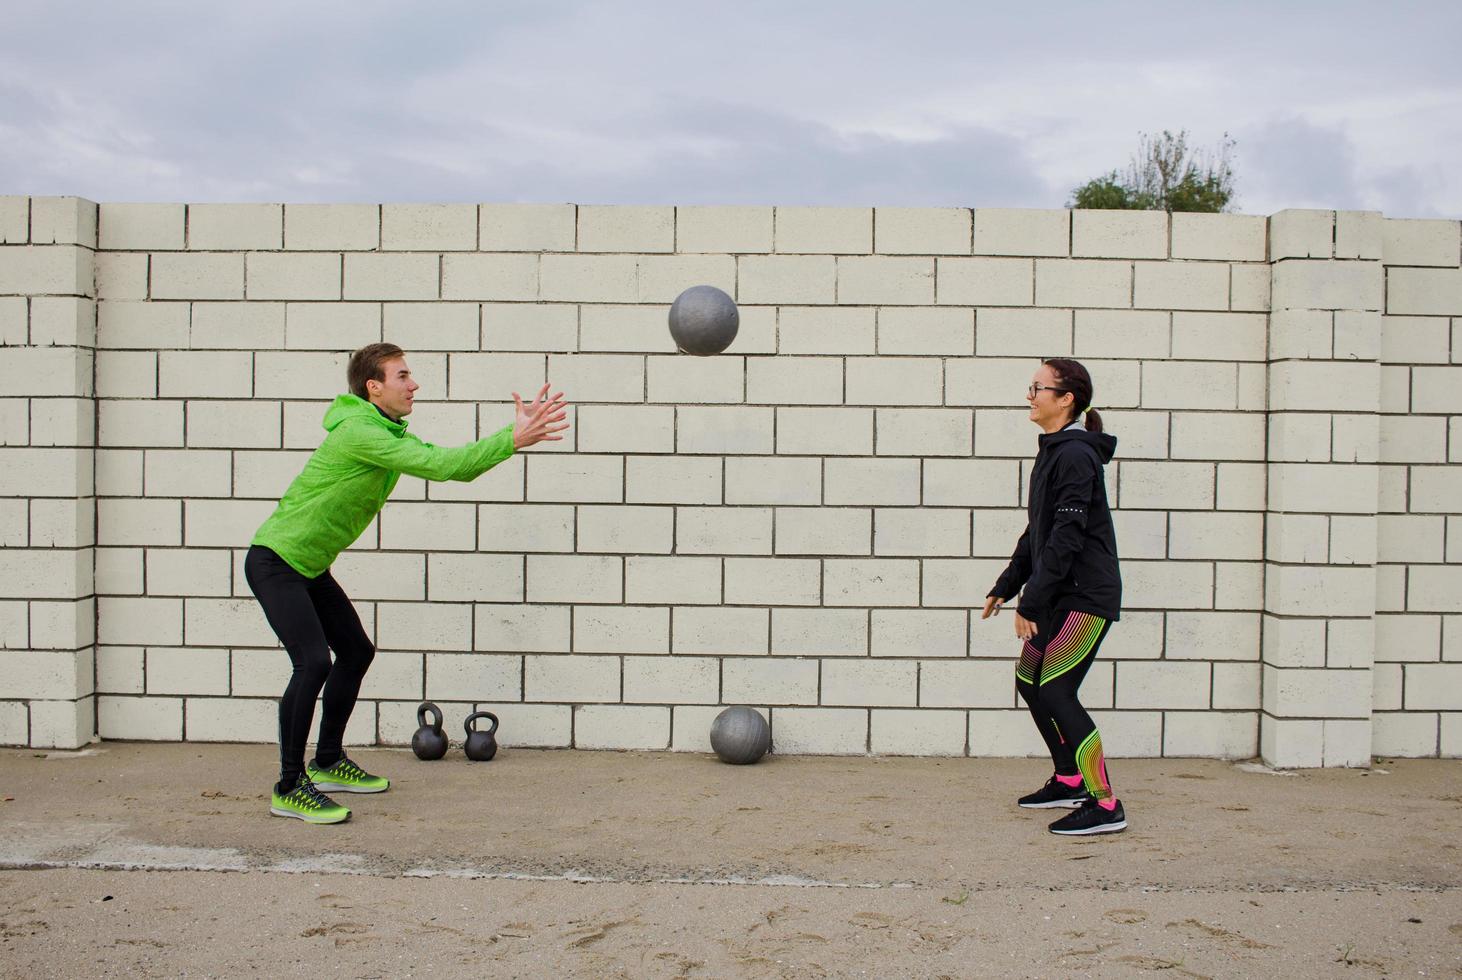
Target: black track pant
(1052, 666)
(311, 616)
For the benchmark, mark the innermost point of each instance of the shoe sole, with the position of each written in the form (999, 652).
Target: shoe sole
(1106, 828)
(344, 788)
(1053, 805)
(300, 816)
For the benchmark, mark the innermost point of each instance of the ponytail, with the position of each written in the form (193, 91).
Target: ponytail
(1093, 420)
(1075, 378)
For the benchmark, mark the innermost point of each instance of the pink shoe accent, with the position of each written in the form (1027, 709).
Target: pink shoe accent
(1109, 804)
(1072, 781)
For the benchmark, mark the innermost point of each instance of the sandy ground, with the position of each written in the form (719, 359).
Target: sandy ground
(161, 860)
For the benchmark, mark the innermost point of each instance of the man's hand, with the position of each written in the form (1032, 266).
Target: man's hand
(992, 606)
(1024, 628)
(538, 422)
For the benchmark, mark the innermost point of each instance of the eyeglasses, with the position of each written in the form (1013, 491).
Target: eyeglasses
(1036, 389)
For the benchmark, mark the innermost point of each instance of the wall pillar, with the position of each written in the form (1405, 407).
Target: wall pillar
(1323, 452)
(47, 434)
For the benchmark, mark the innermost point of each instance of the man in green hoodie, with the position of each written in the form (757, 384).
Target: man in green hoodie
(342, 488)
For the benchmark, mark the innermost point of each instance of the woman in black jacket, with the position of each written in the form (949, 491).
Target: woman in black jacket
(1067, 562)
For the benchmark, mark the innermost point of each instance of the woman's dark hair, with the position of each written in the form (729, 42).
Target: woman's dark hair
(368, 364)
(1073, 376)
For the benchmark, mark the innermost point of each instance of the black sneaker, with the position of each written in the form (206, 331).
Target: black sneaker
(1092, 818)
(1055, 794)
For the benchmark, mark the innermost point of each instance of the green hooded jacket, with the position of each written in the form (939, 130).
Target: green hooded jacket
(346, 481)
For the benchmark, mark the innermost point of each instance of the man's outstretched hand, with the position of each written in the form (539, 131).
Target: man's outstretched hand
(539, 422)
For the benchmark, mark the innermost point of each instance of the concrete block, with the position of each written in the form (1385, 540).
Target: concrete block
(787, 279)
(1167, 485)
(223, 622)
(672, 480)
(1022, 333)
(230, 720)
(723, 430)
(423, 626)
(617, 228)
(119, 670)
(825, 431)
(47, 270)
(1212, 636)
(521, 629)
(333, 326)
(1161, 684)
(971, 483)
(1176, 285)
(820, 731)
(1297, 538)
(14, 220)
(784, 480)
(1222, 536)
(1316, 488)
(886, 280)
(278, 275)
(1302, 334)
(841, 330)
(1210, 734)
(486, 276)
(1352, 540)
(406, 276)
(598, 377)
(428, 227)
(1122, 333)
(672, 680)
(924, 432)
(1358, 334)
(1249, 287)
(723, 531)
(187, 670)
(621, 727)
(921, 532)
(922, 732)
(769, 680)
(985, 281)
(1304, 590)
(1434, 389)
(1405, 735)
(665, 579)
(1119, 234)
(1338, 286)
(1324, 385)
(824, 531)
(61, 724)
(45, 472)
(1238, 585)
(1410, 537)
(200, 276)
(233, 425)
(222, 227)
(474, 377)
(773, 581)
(1358, 234)
(663, 277)
(916, 330)
(527, 227)
(1347, 743)
(1291, 744)
(894, 381)
(1236, 686)
(917, 632)
(62, 321)
(622, 629)
(118, 472)
(960, 582)
(63, 221)
(189, 572)
(1415, 340)
(454, 326)
(1010, 231)
(1167, 585)
(148, 227)
(966, 684)
(57, 675)
(1451, 736)
(576, 479)
(332, 227)
(1301, 233)
(139, 423)
(1189, 384)
(871, 582)
(690, 726)
(1420, 242)
(14, 321)
(1224, 435)
(59, 371)
(824, 230)
(683, 380)
(475, 676)
(1316, 693)
(639, 530)
(235, 326)
(620, 328)
(140, 719)
(205, 374)
(475, 577)
(429, 526)
(588, 278)
(721, 630)
(996, 531)
(127, 521)
(1435, 488)
(140, 621)
(1434, 588)
(1004, 734)
(525, 527)
(1224, 237)
(723, 229)
(575, 578)
(820, 632)
(1219, 336)
(626, 429)
(922, 231)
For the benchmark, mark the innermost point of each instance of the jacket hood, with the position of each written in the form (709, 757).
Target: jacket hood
(1104, 444)
(348, 406)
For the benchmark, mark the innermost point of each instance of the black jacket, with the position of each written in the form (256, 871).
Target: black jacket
(1067, 557)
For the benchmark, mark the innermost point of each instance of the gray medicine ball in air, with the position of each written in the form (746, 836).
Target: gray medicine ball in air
(703, 320)
(740, 735)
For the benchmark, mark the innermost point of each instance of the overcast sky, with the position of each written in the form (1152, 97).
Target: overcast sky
(945, 102)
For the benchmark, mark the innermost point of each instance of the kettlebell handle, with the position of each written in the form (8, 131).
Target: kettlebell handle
(470, 729)
(428, 707)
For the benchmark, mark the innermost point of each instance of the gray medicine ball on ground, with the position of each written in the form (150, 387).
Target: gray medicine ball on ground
(740, 735)
(703, 320)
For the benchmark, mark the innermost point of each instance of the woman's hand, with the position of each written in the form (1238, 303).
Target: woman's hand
(992, 606)
(1024, 628)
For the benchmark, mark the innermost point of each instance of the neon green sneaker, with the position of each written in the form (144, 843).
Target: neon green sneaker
(345, 777)
(306, 802)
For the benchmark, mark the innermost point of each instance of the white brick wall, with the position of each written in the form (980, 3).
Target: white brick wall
(802, 523)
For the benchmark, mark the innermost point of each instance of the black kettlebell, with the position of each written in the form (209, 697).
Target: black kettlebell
(429, 742)
(480, 746)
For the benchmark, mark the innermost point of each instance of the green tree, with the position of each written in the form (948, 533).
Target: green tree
(1165, 175)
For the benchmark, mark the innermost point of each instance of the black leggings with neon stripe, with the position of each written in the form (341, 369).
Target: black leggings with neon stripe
(1052, 666)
